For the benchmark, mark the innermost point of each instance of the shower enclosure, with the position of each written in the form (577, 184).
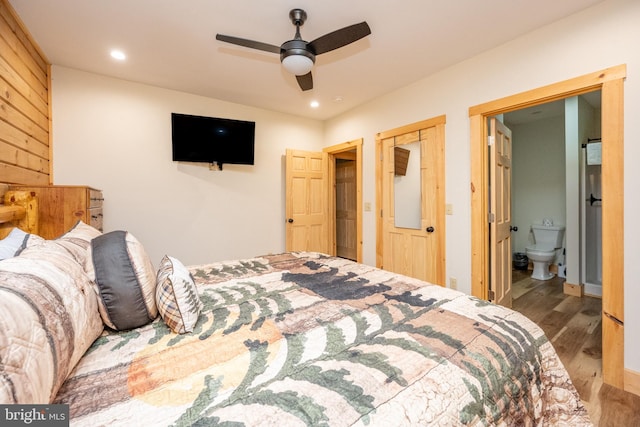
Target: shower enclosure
(591, 230)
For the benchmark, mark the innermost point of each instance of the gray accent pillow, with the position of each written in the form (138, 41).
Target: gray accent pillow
(125, 279)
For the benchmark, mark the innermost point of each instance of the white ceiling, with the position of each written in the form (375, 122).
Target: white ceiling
(171, 43)
(548, 110)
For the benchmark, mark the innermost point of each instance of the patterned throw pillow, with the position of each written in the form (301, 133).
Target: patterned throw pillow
(176, 296)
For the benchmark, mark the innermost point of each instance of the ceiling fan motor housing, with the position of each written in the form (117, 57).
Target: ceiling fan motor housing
(296, 47)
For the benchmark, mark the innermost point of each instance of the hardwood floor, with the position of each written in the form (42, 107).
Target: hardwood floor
(574, 327)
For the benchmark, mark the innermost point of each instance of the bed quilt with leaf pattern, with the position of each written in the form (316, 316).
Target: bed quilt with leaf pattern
(304, 339)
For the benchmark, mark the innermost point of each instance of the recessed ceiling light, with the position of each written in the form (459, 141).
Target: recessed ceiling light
(338, 99)
(118, 54)
(314, 104)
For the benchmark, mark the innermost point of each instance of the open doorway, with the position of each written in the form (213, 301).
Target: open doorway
(611, 83)
(553, 186)
(345, 199)
(548, 182)
(346, 205)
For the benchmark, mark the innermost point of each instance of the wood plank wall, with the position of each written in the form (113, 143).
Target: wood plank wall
(25, 104)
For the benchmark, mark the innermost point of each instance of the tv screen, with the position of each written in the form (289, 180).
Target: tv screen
(212, 139)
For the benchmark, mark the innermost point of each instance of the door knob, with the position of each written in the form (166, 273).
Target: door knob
(430, 229)
(513, 228)
(290, 220)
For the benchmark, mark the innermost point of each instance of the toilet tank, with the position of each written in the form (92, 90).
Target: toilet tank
(548, 236)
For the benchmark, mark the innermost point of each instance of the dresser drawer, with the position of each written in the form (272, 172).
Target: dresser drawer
(95, 218)
(95, 198)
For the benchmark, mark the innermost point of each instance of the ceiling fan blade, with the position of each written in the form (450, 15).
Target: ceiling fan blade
(305, 82)
(339, 38)
(248, 43)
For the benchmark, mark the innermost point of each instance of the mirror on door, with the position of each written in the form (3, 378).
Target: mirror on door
(407, 185)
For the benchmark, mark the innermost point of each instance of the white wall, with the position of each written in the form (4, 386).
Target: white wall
(116, 136)
(602, 36)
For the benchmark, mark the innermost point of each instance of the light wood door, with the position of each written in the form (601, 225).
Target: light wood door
(418, 252)
(346, 212)
(307, 215)
(500, 215)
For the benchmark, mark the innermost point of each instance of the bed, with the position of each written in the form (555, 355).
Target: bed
(283, 339)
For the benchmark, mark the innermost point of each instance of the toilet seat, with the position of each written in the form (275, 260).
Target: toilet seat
(539, 250)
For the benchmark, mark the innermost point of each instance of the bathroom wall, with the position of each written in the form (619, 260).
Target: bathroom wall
(538, 176)
(574, 136)
(581, 123)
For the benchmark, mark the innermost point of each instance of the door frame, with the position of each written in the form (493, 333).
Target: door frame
(610, 82)
(334, 153)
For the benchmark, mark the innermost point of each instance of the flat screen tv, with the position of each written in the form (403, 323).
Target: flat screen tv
(212, 140)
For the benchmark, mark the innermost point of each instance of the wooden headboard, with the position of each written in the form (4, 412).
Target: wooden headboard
(17, 209)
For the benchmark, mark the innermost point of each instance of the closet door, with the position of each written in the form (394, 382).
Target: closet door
(412, 240)
(307, 210)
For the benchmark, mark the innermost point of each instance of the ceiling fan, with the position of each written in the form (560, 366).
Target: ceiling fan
(297, 55)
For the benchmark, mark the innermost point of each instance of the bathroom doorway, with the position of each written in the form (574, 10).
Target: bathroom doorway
(610, 82)
(556, 171)
(556, 177)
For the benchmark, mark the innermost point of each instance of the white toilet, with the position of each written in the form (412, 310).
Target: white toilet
(547, 239)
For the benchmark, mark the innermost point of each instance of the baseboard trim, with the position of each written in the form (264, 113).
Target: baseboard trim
(575, 290)
(632, 381)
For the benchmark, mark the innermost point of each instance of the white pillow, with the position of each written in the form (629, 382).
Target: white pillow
(78, 241)
(16, 241)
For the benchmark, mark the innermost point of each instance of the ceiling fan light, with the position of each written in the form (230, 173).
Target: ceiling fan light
(298, 65)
